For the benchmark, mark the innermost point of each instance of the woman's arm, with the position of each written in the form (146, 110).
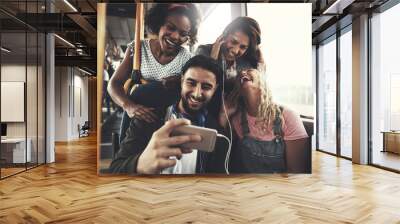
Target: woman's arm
(211, 50)
(298, 143)
(116, 90)
(298, 155)
(216, 48)
(116, 83)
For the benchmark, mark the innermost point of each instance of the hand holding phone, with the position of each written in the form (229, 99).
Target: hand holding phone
(208, 137)
(161, 147)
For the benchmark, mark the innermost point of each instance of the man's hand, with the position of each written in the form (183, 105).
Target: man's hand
(162, 146)
(217, 47)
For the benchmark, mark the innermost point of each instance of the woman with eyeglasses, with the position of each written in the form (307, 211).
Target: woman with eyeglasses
(173, 25)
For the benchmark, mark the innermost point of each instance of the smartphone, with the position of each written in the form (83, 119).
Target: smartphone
(208, 137)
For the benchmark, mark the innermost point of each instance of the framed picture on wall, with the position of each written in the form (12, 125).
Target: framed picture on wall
(224, 68)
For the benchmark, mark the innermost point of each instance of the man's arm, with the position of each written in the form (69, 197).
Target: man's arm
(137, 137)
(146, 150)
(157, 154)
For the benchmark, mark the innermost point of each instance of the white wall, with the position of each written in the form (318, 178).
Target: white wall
(33, 126)
(82, 83)
(287, 50)
(12, 73)
(71, 94)
(17, 73)
(61, 103)
(213, 26)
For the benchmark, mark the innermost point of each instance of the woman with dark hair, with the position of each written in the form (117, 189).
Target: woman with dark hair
(235, 50)
(173, 25)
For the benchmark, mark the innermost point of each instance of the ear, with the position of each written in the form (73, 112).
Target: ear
(224, 34)
(182, 78)
(189, 40)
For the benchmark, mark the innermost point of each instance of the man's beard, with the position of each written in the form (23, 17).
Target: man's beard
(186, 107)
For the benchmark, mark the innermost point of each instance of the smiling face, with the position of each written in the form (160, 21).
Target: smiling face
(249, 81)
(174, 33)
(236, 44)
(198, 87)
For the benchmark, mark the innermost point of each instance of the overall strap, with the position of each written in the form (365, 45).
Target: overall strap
(243, 121)
(277, 127)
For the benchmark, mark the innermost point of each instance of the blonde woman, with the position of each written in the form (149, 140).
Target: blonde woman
(268, 138)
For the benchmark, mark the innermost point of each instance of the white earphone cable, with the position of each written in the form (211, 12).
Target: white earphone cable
(227, 118)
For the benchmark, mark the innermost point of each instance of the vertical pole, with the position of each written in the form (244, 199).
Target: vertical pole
(101, 31)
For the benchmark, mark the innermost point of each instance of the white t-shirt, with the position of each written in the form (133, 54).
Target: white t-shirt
(187, 164)
(106, 76)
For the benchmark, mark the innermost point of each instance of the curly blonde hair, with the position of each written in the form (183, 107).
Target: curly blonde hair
(267, 109)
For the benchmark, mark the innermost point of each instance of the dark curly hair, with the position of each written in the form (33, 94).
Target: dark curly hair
(157, 15)
(250, 27)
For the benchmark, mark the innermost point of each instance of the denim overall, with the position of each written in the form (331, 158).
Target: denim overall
(262, 156)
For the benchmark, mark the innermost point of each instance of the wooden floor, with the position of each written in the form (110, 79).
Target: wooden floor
(10, 171)
(69, 191)
(387, 159)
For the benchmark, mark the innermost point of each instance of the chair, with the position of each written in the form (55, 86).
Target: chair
(114, 149)
(84, 130)
(309, 126)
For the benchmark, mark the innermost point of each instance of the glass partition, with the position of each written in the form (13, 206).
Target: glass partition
(22, 88)
(385, 89)
(41, 97)
(14, 154)
(31, 98)
(346, 93)
(327, 96)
